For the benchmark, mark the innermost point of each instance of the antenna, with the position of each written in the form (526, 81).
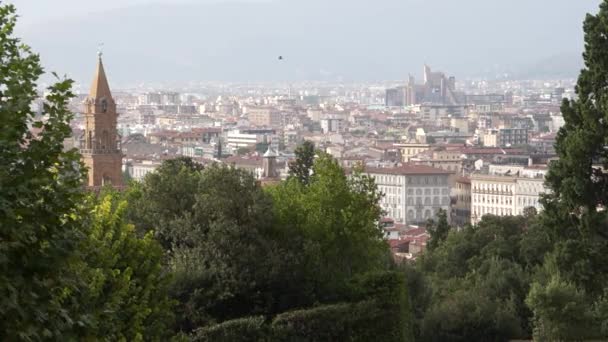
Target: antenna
(100, 49)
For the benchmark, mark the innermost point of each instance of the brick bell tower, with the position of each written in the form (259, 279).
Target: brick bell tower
(100, 146)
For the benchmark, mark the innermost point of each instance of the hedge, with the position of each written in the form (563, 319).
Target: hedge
(379, 310)
(249, 329)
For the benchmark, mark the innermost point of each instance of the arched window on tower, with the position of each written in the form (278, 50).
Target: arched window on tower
(104, 105)
(90, 140)
(106, 180)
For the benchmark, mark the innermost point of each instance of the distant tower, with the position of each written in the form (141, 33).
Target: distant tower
(100, 149)
(270, 164)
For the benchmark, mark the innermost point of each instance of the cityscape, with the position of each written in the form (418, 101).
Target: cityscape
(438, 205)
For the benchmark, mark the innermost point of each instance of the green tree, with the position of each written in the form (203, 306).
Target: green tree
(574, 223)
(216, 226)
(334, 222)
(578, 180)
(164, 201)
(127, 293)
(560, 311)
(301, 167)
(438, 230)
(40, 219)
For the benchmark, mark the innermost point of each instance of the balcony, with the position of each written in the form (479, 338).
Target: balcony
(100, 151)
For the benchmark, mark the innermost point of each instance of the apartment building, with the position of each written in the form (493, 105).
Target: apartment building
(412, 193)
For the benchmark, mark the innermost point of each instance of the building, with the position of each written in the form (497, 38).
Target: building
(437, 89)
(461, 202)
(139, 170)
(409, 150)
(413, 194)
(449, 160)
(100, 146)
(434, 112)
(395, 97)
(506, 194)
(264, 116)
(505, 137)
(332, 123)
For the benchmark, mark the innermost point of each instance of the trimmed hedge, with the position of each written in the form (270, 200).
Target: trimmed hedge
(337, 322)
(379, 310)
(249, 329)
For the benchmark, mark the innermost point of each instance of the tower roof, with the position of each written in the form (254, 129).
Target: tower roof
(100, 87)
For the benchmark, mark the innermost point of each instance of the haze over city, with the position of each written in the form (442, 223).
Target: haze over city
(304, 170)
(228, 40)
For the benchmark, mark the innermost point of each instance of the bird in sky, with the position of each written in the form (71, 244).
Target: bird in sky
(280, 58)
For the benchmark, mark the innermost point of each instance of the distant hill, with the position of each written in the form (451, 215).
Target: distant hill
(320, 39)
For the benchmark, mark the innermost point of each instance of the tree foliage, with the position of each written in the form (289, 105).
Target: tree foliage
(301, 167)
(334, 219)
(127, 292)
(438, 230)
(40, 221)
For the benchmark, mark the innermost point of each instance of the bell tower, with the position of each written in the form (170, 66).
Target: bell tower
(100, 147)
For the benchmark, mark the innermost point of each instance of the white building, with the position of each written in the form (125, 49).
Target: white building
(412, 193)
(506, 193)
(332, 123)
(139, 170)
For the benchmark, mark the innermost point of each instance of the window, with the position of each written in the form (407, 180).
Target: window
(104, 105)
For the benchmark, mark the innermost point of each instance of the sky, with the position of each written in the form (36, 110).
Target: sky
(350, 40)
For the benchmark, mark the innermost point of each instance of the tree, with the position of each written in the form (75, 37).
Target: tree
(301, 167)
(334, 222)
(40, 193)
(127, 291)
(574, 217)
(560, 312)
(165, 200)
(438, 230)
(216, 226)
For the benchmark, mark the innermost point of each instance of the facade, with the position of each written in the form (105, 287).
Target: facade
(433, 112)
(100, 146)
(504, 195)
(505, 137)
(512, 136)
(264, 116)
(332, 124)
(446, 160)
(139, 170)
(409, 150)
(413, 194)
(395, 97)
(461, 202)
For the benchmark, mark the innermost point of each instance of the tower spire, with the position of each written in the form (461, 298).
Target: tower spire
(100, 87)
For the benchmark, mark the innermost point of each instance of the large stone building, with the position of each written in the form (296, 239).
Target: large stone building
(100, 146)
(506, 194)
(264, 116)
(412, 193)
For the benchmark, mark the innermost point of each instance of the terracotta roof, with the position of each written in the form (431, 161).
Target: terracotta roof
(463, 180)
(415, 232)
(408, 169)
(250, 161)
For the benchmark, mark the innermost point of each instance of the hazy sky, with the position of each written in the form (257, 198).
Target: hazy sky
(239, 40)
(37, 10)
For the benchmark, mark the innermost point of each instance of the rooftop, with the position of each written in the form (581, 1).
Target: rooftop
(408, 169)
